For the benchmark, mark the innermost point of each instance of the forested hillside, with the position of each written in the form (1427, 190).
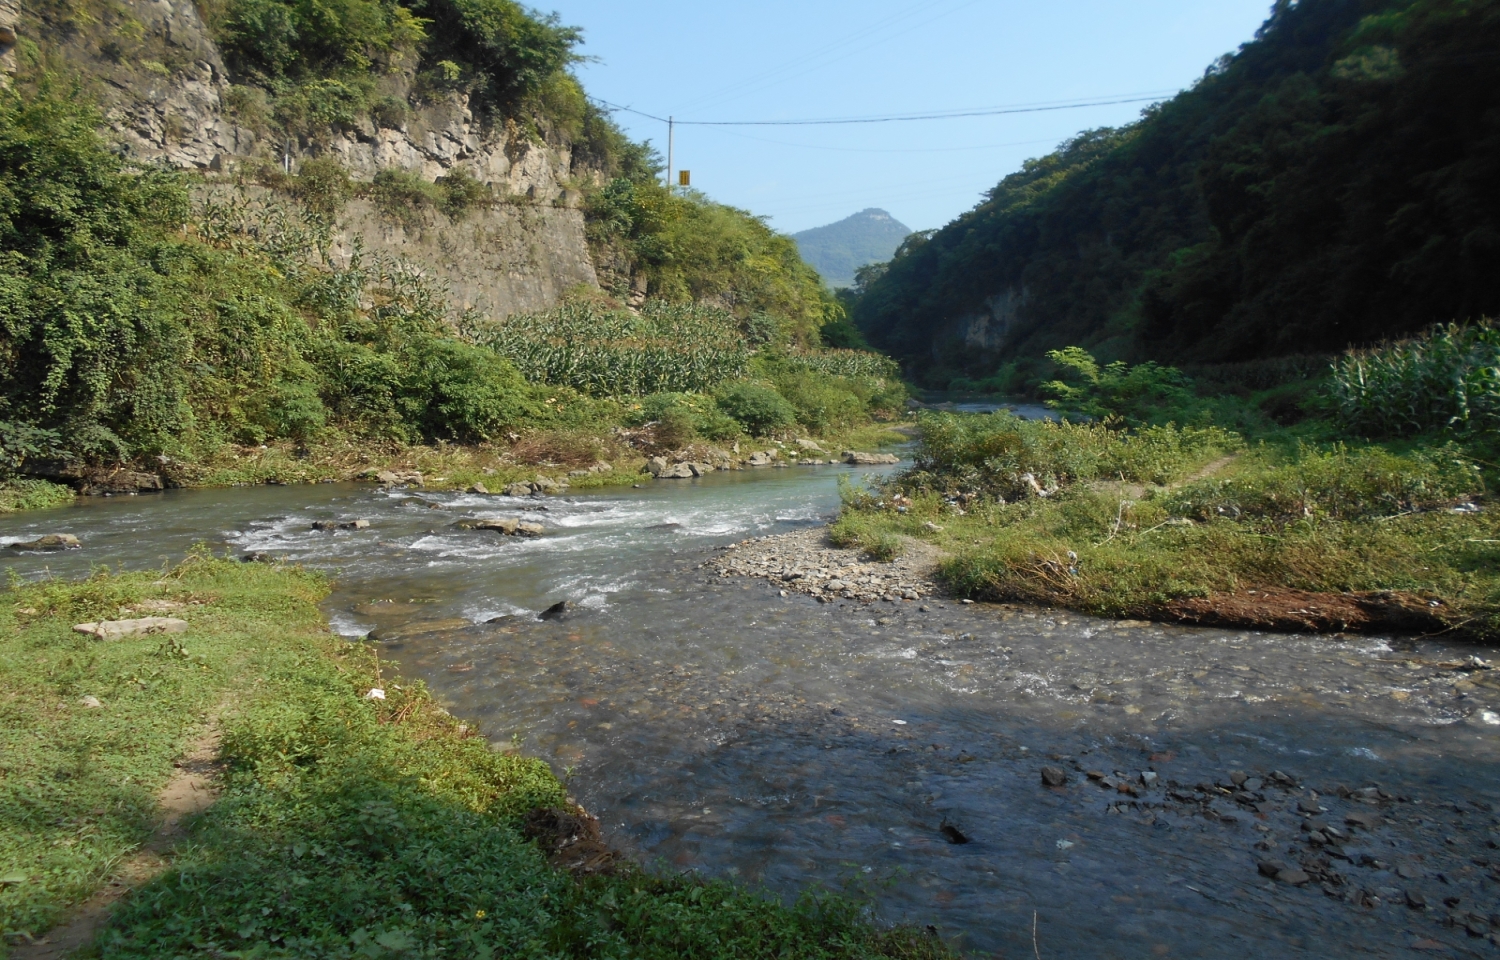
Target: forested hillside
(1335, 182)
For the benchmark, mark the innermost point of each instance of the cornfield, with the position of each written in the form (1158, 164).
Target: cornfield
(848, 363)
(665, 348)
(1447, 379)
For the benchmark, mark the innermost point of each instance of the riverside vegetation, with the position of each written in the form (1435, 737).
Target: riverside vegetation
(348, 826)
(1319, 526)
(215, 344)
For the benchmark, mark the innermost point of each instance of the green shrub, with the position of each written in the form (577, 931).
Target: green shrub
(322, 186)
(460, 193)
(757, 408)
(295, 410)
(403, 196)
(460, 392)
(1136, 394)
(276, 39)
(88, 252)
(821, 402)
(18, 494)
(690, 414)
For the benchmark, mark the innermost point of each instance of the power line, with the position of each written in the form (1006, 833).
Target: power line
(779, 75)
(841, 121)
(983, 146)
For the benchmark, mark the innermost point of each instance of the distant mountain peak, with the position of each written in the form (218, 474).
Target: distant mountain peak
(838, 249)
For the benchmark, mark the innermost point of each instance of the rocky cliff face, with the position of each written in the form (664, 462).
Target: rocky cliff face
(166, 95)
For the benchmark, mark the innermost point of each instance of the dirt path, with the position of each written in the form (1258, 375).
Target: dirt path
(192, 789)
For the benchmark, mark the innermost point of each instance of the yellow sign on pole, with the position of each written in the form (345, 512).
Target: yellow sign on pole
(684, 178)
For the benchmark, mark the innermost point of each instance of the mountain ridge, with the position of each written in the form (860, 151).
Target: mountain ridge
(837, 250)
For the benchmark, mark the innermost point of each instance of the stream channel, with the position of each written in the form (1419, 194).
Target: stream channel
(716, 726)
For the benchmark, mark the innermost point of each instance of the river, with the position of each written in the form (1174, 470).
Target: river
(722, 728)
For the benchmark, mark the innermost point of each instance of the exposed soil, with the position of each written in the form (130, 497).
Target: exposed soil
(572, 841)
(192, 789)
(1284, 610)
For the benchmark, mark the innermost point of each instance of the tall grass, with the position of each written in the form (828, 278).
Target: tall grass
(1446, 379)
(667, 348)
(1003, 455)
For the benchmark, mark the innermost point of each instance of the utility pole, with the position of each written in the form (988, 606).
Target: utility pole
(671, 124)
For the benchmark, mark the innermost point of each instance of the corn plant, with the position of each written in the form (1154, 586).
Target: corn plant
(665, 348)
(847, 363)
(1447, 379)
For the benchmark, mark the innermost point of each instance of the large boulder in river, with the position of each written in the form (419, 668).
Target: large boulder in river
(52, 541)
(678, 471)
(860, 459)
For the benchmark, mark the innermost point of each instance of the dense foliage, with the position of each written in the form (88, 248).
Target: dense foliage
(496, 50)
(1335, 182)
(689, 249)
(1448, 379)
(123, 334)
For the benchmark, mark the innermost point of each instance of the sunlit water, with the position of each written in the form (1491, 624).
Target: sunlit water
(721, 728)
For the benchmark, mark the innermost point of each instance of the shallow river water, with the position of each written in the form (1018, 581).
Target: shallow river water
(721, 728)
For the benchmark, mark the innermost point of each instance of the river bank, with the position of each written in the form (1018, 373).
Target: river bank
(557, 461)
(351, 810)
(1196, 526)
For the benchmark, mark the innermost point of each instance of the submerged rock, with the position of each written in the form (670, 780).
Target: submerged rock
(328, 526)
(52, 541)
(554, 612)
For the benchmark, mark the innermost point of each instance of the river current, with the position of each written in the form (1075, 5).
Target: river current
(722, 728)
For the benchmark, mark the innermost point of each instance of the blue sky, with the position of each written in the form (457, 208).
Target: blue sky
(785, 59)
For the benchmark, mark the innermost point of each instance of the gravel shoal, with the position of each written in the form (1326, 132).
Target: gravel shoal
(805, 562)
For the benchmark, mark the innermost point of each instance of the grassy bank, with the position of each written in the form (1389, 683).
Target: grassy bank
(1298, 530)
(22, 494)
(347, 826)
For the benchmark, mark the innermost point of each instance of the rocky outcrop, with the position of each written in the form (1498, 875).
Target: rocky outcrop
(498, 260)
(989, 328)
(168, 98)
(10, 18)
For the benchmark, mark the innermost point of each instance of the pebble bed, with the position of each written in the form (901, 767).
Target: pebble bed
(804, 562)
